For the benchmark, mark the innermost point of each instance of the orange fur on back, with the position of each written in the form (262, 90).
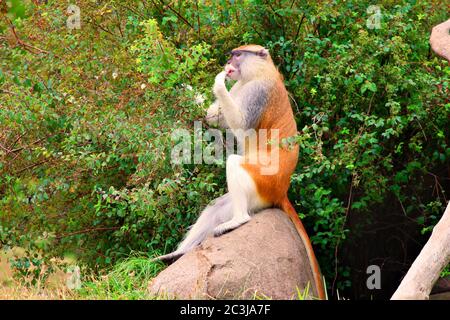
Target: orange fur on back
(278, 115)
(273, 188)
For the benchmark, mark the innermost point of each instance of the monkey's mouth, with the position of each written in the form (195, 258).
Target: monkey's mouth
(231, 70)
(231, 73)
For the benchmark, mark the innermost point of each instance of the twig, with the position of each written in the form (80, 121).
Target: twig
(178, 14)
(101, 27)
(8, 92)
(278, 15)
(86, 231)
(370, 104)
(157, 7)
(437, 186)
(299, 26)
(132, 10)
(9, 150)
(33, 143)
(198, 19)
(347, 210)
(24, 45)
(17, 139)
(119, 23)
(30, 167)
(295, 102)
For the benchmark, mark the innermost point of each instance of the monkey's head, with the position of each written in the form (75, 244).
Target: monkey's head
(248, 62)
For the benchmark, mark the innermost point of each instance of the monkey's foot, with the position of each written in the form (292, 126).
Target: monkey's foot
(230, 225)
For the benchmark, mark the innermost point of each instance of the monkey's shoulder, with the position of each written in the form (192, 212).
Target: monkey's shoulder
(260, 84)
(254, 87)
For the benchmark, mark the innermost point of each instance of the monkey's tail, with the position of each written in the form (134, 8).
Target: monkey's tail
(287, 207)
(219, 211)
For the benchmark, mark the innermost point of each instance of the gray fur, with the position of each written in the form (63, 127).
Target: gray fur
(218, 212)
(254, 104)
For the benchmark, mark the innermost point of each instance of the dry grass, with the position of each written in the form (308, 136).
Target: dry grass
(54, 287)
(126, 280)
(17, 291)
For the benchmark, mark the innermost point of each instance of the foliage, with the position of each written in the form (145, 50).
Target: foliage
(166, 64)
(86, 117)
(128, 279)
(446, 272)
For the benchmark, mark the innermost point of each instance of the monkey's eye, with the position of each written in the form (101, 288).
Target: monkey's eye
(235, 53)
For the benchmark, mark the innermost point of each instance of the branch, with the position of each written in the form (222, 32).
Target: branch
(427, 267)
(8, 92)
(86, 231)
(30, 167)
(24, 45)
(177, 13)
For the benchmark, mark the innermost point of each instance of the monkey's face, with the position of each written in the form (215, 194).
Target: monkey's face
(241, 59)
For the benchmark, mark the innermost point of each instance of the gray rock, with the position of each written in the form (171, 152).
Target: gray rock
(263, 258)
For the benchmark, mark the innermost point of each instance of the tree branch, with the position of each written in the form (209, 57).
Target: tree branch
(427, 267)
(86, 231)
(24, 45)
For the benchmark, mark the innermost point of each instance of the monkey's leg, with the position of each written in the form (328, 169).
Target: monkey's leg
(242, 190)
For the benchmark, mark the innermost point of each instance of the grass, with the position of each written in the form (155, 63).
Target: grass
(127, 280)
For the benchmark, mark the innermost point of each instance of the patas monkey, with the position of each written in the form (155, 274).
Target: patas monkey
(259, 101)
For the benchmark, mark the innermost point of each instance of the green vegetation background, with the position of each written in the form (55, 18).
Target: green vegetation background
(86, 117)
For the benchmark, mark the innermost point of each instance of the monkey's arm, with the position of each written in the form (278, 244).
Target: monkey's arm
(231, 110)
(243, 113)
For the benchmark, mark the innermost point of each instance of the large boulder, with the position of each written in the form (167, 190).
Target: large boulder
(263, 258)
(440, 39)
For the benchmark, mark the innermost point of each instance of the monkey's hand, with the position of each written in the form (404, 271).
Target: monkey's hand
(219, 84)
(213, 114)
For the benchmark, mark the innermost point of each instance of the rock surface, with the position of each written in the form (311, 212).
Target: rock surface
(440, 39)
(263, 258)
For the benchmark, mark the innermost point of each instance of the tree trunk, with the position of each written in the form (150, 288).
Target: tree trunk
(426, 269)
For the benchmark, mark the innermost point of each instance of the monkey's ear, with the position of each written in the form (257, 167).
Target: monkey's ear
(263, 53)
